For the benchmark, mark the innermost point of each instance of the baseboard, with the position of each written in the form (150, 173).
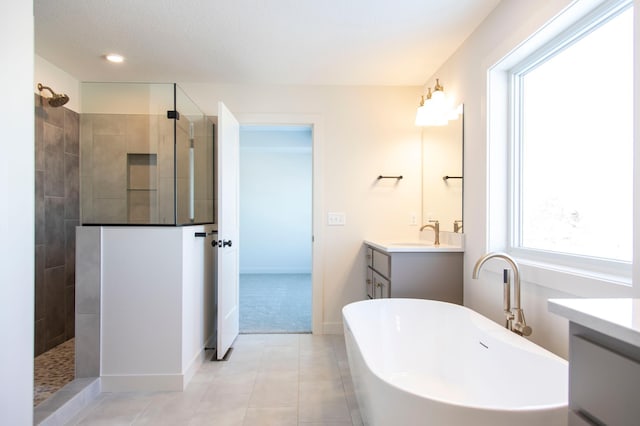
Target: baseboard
(143, 383)
(198, 360)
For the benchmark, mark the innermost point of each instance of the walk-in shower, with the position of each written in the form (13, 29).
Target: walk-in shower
(56, 99)
(145, 162)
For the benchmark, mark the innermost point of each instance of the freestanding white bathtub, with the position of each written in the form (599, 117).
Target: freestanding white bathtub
(423, 362)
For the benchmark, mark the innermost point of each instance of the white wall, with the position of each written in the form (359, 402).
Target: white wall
(275, 200)
(367, 131)
(17, 170)
(636, 170)
(465, 75)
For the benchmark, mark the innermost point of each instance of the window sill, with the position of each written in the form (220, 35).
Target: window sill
(575, 282)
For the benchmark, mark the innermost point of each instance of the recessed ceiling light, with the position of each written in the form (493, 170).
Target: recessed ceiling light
(114, 57)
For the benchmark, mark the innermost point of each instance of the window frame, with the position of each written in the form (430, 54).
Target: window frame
(609, 269)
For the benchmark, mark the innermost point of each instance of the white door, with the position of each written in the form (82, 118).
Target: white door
(227, 262)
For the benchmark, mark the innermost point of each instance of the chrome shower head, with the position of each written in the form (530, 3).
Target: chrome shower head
(56, 99)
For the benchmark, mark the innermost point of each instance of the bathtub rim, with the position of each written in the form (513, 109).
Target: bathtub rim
(457, 404)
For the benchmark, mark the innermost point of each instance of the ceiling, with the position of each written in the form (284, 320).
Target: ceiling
(302, 42)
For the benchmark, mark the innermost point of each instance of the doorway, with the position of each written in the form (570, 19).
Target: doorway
(276, 194)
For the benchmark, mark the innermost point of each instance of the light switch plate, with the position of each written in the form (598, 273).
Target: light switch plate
(336, 219)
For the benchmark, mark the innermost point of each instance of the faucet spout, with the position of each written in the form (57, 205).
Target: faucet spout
(518, 323)
(436, 231)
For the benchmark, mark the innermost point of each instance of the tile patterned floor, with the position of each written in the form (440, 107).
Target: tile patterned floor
(275, 303)
(270, 379)
(52, 370)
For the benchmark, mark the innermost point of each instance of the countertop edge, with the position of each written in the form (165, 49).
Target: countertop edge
(390, 247)
(594, 322)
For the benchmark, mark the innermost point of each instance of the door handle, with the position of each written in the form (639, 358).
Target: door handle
(221, 243)
(216, 243)
(226, 243)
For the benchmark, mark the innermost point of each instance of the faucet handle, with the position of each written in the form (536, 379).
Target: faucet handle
(433, 221)
(522, 329)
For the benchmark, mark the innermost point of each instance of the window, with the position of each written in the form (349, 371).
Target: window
(572, 144)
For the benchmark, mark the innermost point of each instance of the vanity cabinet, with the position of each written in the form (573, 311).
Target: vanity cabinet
(422, 275)
(604, 360)
(604, 379)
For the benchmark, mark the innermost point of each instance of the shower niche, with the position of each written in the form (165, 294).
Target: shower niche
(142, 188)
(147, 156)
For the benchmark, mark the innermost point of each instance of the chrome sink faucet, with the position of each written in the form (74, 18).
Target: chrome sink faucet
(436, 231)
(515, 317)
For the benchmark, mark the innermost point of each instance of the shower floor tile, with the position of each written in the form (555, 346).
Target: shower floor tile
(275, 303)
(52, 370)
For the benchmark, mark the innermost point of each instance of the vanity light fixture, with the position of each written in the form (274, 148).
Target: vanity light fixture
(436, 109)
(114, 57)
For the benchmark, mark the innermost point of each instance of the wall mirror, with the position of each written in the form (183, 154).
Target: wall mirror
(442, 178)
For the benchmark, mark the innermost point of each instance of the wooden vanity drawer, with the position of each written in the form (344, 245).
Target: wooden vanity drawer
(603, 384)
(382, 263)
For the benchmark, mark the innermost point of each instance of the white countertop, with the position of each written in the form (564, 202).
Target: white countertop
(412, 246)
(618, 318)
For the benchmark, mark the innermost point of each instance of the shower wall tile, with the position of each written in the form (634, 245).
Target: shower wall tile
(39, 282)
(109, 166)
(166, 200)
(38, 134)
(142, 207)
(40, 340)
(54, 160)
(86, 145)
(87, 345)
(71, 132)
(70, 251)
(112, 210)
(71, 186)
(87, 319)
(86, 200)
(54, 299)
(54, 232)
(154, 131)
(56, 197)
(54, 116)
(70, 317)
(165, 148)
(39, 208)
(108, 124)
(137, 134)
(88, 270)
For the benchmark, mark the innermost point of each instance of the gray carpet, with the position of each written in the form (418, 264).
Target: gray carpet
(275, 303)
